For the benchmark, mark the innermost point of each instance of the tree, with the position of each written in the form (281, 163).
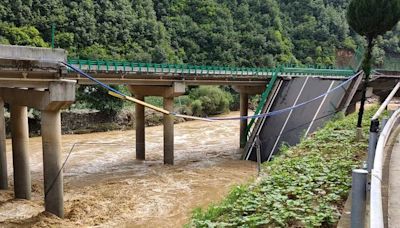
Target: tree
(371, 19)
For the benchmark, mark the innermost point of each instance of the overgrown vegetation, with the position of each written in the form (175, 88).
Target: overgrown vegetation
(209, 100)
(304, 186)
(213, 32)
(248, 33)
(200, 101)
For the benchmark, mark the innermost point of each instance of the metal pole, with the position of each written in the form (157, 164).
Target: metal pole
(53, 32)
(387, 101)
(384, 122)
(258, 143)
(358, 198)
(373, 139)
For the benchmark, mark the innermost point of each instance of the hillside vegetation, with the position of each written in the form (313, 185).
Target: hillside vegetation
(213, 32)
(245, 33)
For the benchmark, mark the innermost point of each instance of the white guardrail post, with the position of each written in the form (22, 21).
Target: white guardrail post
(358, 197)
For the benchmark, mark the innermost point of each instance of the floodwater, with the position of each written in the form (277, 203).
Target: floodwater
(105, 186)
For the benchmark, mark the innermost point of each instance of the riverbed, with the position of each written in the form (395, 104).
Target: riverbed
(105, 186)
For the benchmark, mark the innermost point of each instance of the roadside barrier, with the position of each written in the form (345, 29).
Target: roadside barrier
(373, 170)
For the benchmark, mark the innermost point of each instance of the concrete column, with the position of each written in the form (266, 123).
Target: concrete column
(52, 165)
(168, 132)
(244, 107)
(3, 156)
(140, 130)
(20, 140)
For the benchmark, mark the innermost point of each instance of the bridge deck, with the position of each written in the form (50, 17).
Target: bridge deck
(122, 72)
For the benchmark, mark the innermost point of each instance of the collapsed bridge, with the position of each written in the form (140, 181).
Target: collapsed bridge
(35, 78)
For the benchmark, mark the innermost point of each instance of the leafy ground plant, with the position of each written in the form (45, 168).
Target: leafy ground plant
(305, 186)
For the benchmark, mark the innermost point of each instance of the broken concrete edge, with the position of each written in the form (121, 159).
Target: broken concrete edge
(14, 52)
(60, 94)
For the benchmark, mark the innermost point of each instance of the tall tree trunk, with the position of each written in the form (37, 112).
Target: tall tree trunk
(366, 66)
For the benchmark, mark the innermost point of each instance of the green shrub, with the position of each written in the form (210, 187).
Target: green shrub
(209, 100)
(156, 101)
(96, 97)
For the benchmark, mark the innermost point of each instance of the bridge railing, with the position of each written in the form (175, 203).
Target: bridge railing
(113, 66)
(390, 64)
(125, 66)
(374, 169)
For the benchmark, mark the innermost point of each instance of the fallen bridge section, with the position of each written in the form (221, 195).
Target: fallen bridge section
(290, 126)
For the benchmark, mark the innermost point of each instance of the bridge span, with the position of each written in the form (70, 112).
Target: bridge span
(34, 78)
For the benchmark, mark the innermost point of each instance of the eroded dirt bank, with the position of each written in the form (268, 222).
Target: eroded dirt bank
(105, 186)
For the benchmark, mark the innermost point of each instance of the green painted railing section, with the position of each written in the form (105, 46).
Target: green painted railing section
(126, 66)
(390, 64)
(263, 100)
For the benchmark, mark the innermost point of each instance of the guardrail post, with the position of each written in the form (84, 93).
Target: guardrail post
(384, 122)
(373, 139)
(358, 198)
(258, 150)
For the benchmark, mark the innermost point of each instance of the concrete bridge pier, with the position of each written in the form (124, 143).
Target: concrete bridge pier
(168, 93)
(3, 156)
(52, 168)
(244, 92)
(49, 101)
(168, 122)
(140, 130)
(20, 140)
(244, 107)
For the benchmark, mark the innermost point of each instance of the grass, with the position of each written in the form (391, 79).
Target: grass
(305, 186)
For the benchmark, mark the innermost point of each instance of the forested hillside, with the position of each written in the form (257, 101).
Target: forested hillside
(218, 32)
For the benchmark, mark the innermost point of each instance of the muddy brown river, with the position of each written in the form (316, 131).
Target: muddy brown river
(105, 186)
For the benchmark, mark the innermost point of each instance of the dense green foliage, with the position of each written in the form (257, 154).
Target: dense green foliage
(373, 18)
(200, 101)
(96, 97)
(25, 35)
(370, 19)
(208, 32)
(213, 32)
(304, 186)
(209, 100)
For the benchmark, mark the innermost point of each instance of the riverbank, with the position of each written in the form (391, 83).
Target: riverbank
(89, 121)
(105, 186)
(305, 186)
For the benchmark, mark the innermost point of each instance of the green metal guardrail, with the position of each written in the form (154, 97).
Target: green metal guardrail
(126, 66)
(263, 100)
(389, 63)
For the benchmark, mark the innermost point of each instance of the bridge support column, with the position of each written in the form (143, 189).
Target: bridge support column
(244, 107)
(140, 130)
(60, 94)
(52, 165)
(168, 132)
(244, 92)
(3, 155)
(20, 140)
(168, 93)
